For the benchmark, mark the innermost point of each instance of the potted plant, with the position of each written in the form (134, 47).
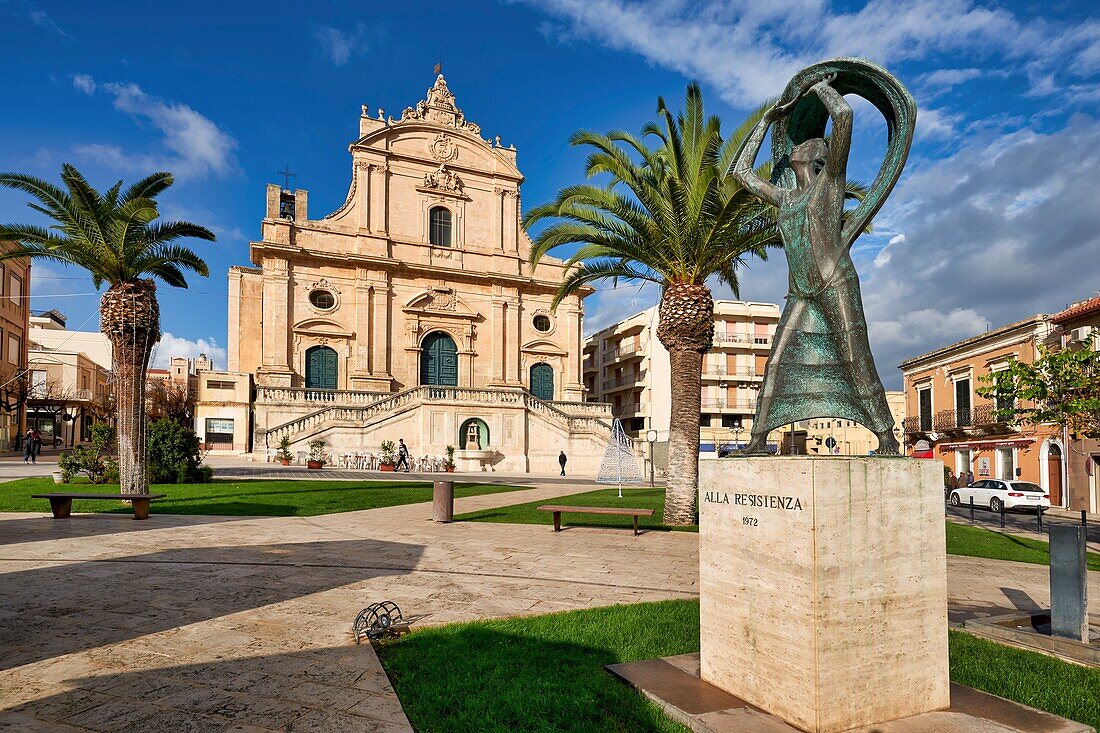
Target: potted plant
(450, 462)
(316, 454)
(284, 455)
(389, 455)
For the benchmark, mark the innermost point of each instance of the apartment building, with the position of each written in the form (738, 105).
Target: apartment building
(15, 277)
(1079, 327)
(948, 420)
(68, 393)
(627, 366)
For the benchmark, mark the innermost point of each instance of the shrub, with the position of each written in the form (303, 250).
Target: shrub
(317, 450)
(94, 461)
(284, 449)
(173, 455)
(389, 452)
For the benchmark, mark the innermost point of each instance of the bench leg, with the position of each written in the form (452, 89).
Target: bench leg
(557, 521)
(141, 508)
(635, 518)
(62, 508)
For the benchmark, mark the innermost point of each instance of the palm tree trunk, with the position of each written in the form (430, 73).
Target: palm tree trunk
(683, 437)
(686, 328)
(130, 317)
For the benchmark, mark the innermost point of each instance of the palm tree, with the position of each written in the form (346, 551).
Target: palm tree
(679, 220)
(113, 235)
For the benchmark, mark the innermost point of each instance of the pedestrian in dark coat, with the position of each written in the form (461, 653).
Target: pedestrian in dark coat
(562, 461)
(402, 456)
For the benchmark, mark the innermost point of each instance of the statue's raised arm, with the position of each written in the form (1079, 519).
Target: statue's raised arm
(744, 169)
(836, 163)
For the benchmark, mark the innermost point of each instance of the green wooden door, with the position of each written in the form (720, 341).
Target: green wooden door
(321, 368)
(542, 382)
(439, 360)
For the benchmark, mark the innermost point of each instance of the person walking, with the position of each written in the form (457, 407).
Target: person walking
(36, 445)
(952, 482)
(562, 461)
(28, 445)
(402, 456)
(969, 478)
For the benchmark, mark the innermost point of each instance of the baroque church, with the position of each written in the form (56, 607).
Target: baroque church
(411, 311)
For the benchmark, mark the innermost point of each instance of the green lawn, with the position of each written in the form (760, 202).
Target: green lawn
(633, 498)
(244, 498)
(964, 539)
(545, 673)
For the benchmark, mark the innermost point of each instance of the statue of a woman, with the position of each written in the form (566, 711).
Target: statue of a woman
(821, 363)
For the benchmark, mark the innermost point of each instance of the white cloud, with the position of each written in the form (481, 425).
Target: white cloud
(31, 11)
(339, 45)
(171, 346)
(193, 145)
(84, 83)
(936, 124)
(750, 50)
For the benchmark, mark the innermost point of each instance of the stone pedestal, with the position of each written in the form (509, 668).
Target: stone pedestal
(823, 587)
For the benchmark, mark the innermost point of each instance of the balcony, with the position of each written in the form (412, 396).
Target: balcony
(712, 404)
(914, 424)
(722, 372)
(981, 417)
(733, 339)
(589, 363)
(625, 351)
(633, 409)
(630, 380)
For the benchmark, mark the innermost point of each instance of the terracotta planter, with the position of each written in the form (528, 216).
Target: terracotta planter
(315, 464)
(386, 467)
(450, 469)
(286, 462)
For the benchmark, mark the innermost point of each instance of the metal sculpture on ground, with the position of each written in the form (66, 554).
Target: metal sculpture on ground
(378, 620)
(821, 363)
(619, 464)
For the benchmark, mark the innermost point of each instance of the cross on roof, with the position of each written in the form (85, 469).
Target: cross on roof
(287, 175)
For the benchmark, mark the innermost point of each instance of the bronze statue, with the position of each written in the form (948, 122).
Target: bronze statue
(821, 363)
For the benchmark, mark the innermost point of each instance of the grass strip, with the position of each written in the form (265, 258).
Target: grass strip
(261, 498)
(634, 498)
(965, 539)
(545, 673)
(541, 673)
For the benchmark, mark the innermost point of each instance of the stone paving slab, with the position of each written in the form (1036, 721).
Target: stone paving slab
(243, 623)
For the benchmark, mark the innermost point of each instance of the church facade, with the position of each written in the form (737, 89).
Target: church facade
(411, 311)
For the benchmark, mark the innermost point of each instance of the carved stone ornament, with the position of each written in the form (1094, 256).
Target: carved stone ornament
(323, 284)
(443, 148)
(439, 108)
(442, 300)
(443, 179)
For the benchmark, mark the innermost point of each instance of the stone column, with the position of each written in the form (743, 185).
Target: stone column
(510, 221)
(499, 353)
(362, 194)
(513, 340)
(275, 370)
(573, 386)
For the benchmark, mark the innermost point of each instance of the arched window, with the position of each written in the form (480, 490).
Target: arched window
(439, 230)
(542, 381)
(321, 369)
(439, 360)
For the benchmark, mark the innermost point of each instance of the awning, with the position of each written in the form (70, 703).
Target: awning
(922, 454)
(986, 445)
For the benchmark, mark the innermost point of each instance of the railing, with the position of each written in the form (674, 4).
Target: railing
(914, 424)
(297, 395)
(742, 338)
(623, 352)
(723, 371)
(962, 419)
(628, 381)
(592, 419)
(720, 403)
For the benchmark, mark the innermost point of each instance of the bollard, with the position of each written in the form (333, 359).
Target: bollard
(443, 501)
(1085, 521)
(1039, 517)
(1002, 515)
(972, 509)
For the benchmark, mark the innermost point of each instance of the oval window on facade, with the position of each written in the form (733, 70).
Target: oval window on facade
(542, 323)
(322, 299)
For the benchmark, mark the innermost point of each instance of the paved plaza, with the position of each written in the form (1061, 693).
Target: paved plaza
(243, 624)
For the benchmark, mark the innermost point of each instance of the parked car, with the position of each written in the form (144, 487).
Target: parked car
(994, 493)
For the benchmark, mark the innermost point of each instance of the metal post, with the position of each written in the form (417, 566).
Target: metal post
(1002, 515)
(972, 509)
(651, 484)
(1084, 520)
(1039, 516)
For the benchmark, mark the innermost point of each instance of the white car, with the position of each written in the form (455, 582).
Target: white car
(994, 493)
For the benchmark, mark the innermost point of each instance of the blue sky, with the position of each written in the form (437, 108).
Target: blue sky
(996, 217)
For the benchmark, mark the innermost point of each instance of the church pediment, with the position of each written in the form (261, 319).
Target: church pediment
(321, 327)
(542, 347)
(440, 301)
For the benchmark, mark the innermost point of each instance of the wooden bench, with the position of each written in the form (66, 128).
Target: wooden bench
(62, 503)
(557, 509)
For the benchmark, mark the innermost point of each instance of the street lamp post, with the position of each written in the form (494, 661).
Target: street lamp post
(651, 438)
